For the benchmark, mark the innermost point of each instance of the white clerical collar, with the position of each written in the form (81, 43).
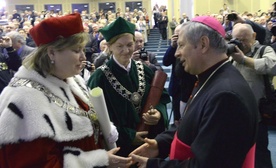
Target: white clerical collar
(125, 68)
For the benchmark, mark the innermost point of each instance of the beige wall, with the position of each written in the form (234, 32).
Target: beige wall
(213, 6)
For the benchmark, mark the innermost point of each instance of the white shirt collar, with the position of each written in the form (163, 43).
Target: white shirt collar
(125, 68)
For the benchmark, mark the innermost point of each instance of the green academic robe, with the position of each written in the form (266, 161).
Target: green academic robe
(121, 111)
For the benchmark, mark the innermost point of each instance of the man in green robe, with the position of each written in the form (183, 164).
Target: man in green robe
(126, 85)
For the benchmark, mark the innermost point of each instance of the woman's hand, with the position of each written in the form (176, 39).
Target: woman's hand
(149, 149)
(113, 135)
(141, 154)
(118, 161)
(142, 161)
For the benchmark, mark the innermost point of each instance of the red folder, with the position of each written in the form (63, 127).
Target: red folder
(156, 90)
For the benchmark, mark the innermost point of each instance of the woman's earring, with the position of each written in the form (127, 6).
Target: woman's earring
(52, 62)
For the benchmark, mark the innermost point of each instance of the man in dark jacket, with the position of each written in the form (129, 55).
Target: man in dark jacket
(219, 125)
(163, 24)
(19, 44)
(102, 57)
(16, 15)
(9, 62)
(91, 46)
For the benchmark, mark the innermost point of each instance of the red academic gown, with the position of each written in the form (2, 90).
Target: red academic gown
(42, 152)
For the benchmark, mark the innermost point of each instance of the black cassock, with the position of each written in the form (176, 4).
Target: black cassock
(220, 123)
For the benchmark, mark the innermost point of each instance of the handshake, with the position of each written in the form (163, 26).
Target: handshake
(140, 155)
(148, 149)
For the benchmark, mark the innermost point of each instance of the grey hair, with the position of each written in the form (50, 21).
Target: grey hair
(194, 31)
(244, 25)
(16, 37)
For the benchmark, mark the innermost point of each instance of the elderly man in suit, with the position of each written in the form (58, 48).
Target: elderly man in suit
(19, 44)
(148, 58)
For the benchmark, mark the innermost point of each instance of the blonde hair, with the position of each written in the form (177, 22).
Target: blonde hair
(40, 61)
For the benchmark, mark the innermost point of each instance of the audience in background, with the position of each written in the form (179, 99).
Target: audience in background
(97, 18)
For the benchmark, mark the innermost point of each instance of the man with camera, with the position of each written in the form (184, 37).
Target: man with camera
(247, 60)
(140, 53)
(9, 61)
(260, 30)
